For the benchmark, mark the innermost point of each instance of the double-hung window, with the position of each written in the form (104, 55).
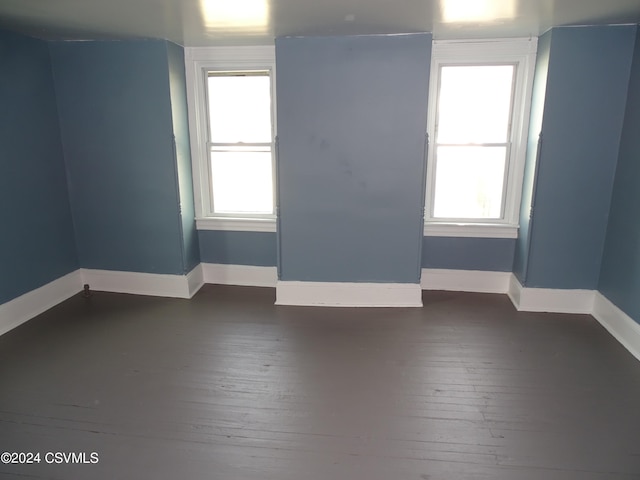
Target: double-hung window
(478, 120)
(231, 107)
(240, 142)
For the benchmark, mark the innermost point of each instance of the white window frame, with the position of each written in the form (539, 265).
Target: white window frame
(522, 53)
(199, 61)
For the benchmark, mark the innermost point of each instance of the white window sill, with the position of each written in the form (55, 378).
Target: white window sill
(236, 224)
(474, 230)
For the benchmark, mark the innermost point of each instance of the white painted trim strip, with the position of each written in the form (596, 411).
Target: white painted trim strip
(237, 224)
(17, 311)
(154, 284)
(496, 47)
(470, 230)
(550, 300)
(33, 303)
(465, 280)
(246, 275)
(195, 280)
(515, 291)
(340, 294)
(232, 55)
(613, 319)
(619, 324)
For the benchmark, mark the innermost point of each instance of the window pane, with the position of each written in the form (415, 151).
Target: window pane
(239, 108)
(242, 181)
(474, 104)
(469, 182)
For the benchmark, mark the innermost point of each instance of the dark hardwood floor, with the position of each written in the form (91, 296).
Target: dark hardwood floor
(228, 386)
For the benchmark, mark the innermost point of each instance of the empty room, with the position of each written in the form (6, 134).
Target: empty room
(278, 239)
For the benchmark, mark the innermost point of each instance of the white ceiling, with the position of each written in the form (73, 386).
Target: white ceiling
(241, 22)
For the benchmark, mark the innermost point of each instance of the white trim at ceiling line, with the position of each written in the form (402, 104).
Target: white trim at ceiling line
(234, 55)
(23, 308)
(346, 294)
(464, 48)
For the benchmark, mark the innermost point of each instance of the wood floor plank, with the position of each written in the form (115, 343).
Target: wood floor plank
(229, 386)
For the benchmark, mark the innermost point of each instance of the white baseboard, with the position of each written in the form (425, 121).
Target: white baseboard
(617, 323)
(25, 307)
(549, 300)
(339, 294)
(154, 284)
(195, 280)
(246, 275)
(465, 280)
(514, 291)
(17, 311)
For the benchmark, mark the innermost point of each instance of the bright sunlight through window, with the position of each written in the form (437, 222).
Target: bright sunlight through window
(472, 140)
(240, 142)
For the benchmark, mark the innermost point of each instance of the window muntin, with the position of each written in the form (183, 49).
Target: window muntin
(240, 142)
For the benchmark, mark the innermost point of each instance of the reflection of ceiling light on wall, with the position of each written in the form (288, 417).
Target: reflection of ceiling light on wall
(235, 13)
(477, 10)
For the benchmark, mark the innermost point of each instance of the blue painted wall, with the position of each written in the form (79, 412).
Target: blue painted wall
(587, 80)
(36, 242)
(348, 206)
(351, 124)
(260, 248)
(459, 253)
(180, 117)
(620, 274)
(521, 256)
(117, 131)
(238, 248)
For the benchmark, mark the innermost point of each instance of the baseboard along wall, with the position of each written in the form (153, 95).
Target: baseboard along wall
(25, 307)
(342, 294)
(549, 300)
(154, 284)
(465, 280)
(243, 275)
(619, 324)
